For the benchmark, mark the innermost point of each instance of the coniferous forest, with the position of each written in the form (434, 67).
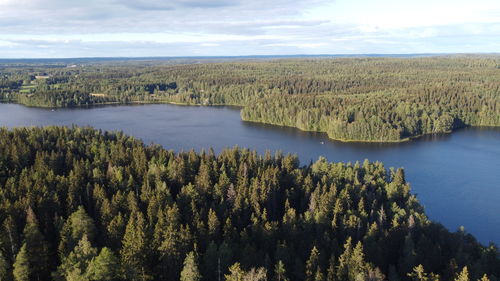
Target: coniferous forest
(82, 204)
(350, 99)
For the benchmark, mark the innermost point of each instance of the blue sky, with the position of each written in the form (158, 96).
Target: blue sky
(96, 28)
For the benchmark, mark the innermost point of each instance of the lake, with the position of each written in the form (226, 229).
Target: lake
(455, 176)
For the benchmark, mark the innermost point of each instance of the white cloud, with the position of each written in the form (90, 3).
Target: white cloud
(38, 28)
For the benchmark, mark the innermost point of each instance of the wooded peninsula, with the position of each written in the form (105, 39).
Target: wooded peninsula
(350, 99)
(82, 204)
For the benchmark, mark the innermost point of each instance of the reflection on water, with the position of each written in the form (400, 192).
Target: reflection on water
(456, 176)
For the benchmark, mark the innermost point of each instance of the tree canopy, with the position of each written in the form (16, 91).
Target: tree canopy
(350, 99)
(82, 204)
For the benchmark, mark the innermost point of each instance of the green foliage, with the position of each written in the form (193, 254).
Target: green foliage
(78, 225)
(238, 274)
(4, 268)
(106, 266)
(122, 210)
(134, 252)
(280, 271)
(22, 269)
(419, 274)
(36, 247)
(350, 99)
(312, 265)
(464, 275)
(75, 265)
(190, 270)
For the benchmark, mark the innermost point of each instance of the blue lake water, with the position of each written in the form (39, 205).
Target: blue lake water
(455, 176)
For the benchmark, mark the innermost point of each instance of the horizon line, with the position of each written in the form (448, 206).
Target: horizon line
(254, 56)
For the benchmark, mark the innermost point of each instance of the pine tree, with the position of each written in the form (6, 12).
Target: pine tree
(235, 273)
(280, 271)
(77, 225)
(36, 247)
(419, 274)
(22, 267)
(464, 275)
(330, 273)
(190, 270)
(75, 265)
(134, 252)
(174, 245)
(256, 274)
(484, 278)
(213, 224)
(344, 260)
(357, 265)
(106, 266)
(312, 264)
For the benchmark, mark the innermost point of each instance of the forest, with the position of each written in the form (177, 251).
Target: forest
(83, 204)
(351, 99)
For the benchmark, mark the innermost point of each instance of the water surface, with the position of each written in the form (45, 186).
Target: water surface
(455, 176)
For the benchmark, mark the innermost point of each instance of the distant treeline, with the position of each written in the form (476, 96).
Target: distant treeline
(361, 99)
(81, 204)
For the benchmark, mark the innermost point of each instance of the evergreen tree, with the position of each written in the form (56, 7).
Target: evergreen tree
(22, 267)
(36, 247)
(75, 265)
(331, 274)
(389, 227)
(235, 273)
(419, 274)
(106, 266)
(280, 271)
(4, 268)
(256, 274)
(134, 252)
(484, 278)
(190, 270)
(312, 265)
(213, 224)
(78, 224)
(464, 275)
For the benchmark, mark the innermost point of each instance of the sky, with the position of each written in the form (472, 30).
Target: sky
(145, 28)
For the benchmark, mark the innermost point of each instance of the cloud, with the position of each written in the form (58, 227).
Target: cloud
(38, 28)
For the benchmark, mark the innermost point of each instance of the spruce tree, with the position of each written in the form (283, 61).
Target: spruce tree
(75, 265)
(280, 271)
(22, 267)
(134, 251)
(36, 247)
(464, 275)
(106, 266)
(235, 273)
(190, 270)
(312, 265)
(78, 224)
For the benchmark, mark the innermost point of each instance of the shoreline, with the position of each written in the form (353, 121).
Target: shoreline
(407, 139)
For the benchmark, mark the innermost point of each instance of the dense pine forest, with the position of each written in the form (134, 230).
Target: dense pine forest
(350, 99)
(82, 204)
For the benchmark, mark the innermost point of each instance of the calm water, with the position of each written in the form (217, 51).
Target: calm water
(456, 176)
